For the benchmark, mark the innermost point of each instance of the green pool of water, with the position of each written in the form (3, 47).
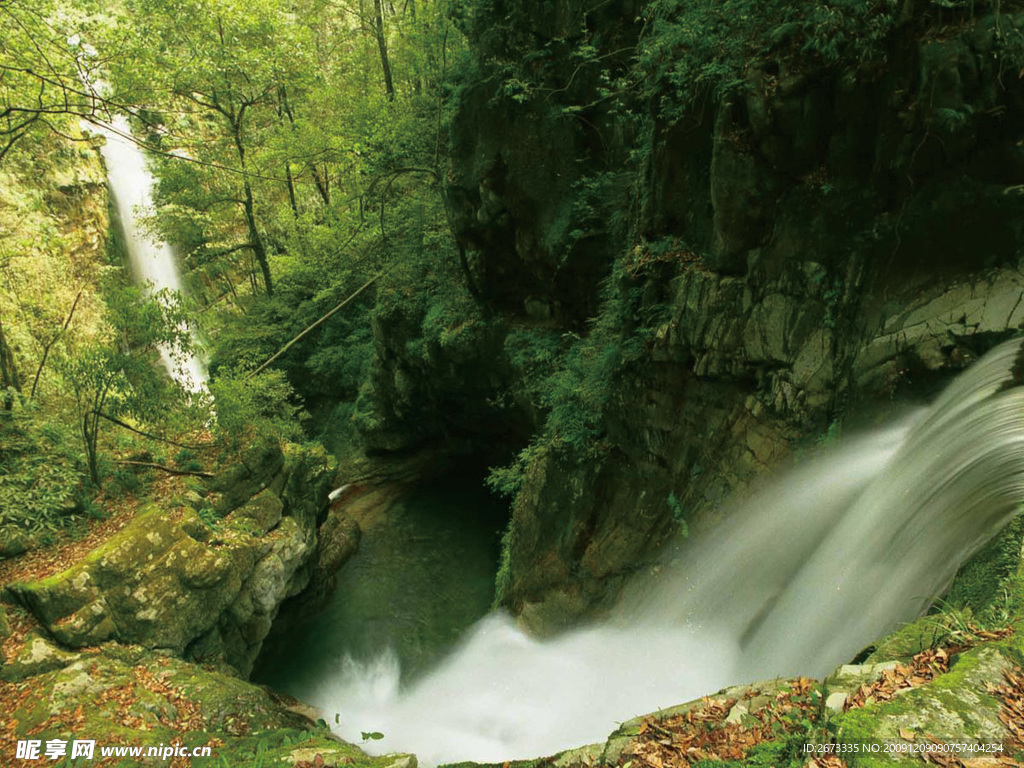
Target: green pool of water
(423, 574)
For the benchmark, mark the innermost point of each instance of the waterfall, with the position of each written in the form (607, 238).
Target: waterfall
(827, 558)
(152, 261)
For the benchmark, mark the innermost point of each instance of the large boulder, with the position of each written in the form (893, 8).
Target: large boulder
(188, 583)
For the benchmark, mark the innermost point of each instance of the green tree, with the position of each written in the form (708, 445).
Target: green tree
(228, 63)
(120, 375)
(45, 65)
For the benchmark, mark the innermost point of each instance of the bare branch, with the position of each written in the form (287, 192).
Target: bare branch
(162, 468)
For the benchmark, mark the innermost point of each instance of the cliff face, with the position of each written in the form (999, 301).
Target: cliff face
(720, 256)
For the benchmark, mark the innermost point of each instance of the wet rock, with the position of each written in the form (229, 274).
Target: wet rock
(931, 329)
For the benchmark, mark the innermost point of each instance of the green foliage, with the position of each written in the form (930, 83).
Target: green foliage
(210, 517)
(533, 351)
(833, 299)
(507, 480)
(833, 433)
(120, 376)
(695, 49)
(778, 753)
(678, 513)
(256, 406)
(503, 579)
(44, 59)
(574, 378)
(122, 481)
(980, 582)
(301, 154)
(40, 475)
(600, 205)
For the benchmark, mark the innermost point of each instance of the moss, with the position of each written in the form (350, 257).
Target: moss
(909, 640)
(538, 763)
(126, 696)
(777, 753)
(503, 578)
(282, 747)
(953, 706)
(980, 581)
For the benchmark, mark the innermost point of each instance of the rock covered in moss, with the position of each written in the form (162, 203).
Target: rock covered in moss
(256, 470)
(957, 707)
(127, 695)
(37, 656)
(179, 584)
(14, 543)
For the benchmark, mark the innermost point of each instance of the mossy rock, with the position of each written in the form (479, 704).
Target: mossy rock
(37, 656)
(264, 510)
(954, 707)
(14, 542)
(238, 483)
(199, 590)
(5, 627)
(150, 583)
(909, 640)
(126, 695)
(979, 582)
(154, 584)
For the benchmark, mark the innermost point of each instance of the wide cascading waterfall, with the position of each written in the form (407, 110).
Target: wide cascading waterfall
(152, 260)
(824, 560)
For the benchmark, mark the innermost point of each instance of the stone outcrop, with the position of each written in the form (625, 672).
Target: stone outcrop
(190, 582)
(127, 695)
(956, 708)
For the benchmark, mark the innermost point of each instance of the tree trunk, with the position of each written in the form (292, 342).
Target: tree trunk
(9, 379)
(382, 46)
(284, 110)
(259, 249)
(291, 188)
(322, 183)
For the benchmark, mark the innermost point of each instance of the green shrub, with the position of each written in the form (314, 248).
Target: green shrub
(980, 581)
(503, 579)
(41, 472)
(256, 406)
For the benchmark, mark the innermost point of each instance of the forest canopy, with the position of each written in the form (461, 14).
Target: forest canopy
(297, 148)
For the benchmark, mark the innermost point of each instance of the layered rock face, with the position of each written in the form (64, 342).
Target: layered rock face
(819, 235)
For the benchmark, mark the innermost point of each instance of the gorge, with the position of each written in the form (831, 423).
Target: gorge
(830, 556)
(668, 354)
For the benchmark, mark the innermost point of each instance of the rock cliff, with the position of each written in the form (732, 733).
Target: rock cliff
(689, 265)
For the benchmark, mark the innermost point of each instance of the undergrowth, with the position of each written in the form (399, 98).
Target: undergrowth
(574, 378)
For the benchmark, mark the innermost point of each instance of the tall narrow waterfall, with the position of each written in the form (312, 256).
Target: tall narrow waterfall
(152, 261)
(829, 557)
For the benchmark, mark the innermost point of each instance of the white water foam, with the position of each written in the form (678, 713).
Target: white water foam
(823, 561)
